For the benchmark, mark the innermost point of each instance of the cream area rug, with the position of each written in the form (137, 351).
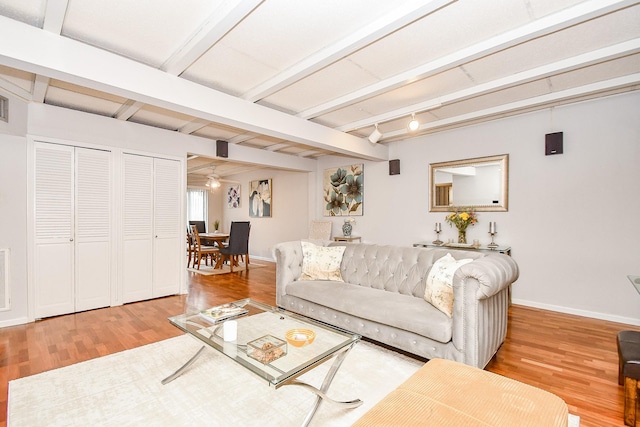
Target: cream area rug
(124, 389)
(207, 270)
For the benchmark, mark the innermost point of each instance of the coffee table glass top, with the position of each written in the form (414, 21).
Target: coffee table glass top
(259, 322)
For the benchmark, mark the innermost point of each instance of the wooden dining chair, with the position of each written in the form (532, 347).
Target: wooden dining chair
(190, 247)
(238, 245)
(209, 253)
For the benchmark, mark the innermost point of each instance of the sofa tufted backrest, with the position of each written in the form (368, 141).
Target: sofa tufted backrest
(393, 268)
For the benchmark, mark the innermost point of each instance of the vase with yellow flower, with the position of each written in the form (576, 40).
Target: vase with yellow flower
(462, 218)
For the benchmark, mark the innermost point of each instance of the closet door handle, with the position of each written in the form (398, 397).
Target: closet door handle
(71, 239)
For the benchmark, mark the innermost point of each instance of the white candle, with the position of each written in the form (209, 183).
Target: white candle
(230, 330)
(438, 227)
(492, 227)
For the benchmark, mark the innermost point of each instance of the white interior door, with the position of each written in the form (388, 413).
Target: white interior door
(93, 229)
(167, 229)
(53, 208)
(137, 225)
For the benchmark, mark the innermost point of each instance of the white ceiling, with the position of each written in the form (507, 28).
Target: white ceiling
(307, 79)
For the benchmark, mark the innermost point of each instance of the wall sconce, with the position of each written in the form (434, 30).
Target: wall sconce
(413, 124)
(375, 135)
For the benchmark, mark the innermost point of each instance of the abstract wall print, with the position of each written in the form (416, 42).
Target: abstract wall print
(260, 198)
(233, 196)
(343, 189)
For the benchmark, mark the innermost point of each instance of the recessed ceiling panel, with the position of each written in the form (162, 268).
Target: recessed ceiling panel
(20, 78)
(146, 31)
(159, 117)
(344, 77)
(217, 131)
(495, 99)
(279, 34)
(62, 97)
(598, 33)
(28, 11)
(421, 91)
(595, 73)
(446, 31)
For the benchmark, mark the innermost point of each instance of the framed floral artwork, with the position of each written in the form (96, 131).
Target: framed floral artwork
(260, 198)
(233, 196)
(343, 190)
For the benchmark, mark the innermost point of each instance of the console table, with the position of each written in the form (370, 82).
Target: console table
(347, 239)
(501, 249)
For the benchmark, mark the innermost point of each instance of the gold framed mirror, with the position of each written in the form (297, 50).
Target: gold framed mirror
(481, 183)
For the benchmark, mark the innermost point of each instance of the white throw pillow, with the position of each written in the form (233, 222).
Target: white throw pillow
(439, 289)
(321, 262)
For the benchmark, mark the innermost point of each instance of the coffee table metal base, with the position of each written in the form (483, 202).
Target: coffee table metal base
(321, 393)
(184, 367)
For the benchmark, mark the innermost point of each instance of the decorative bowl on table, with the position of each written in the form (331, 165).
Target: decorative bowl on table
(300, 337)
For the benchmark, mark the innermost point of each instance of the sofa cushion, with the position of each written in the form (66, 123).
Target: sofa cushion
(439, 289)
(321, 262)
(401, 311)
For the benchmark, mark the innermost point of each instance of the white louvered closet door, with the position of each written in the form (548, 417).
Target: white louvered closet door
(92, 229)
(167, 228)
(54, 247)
(137, 226)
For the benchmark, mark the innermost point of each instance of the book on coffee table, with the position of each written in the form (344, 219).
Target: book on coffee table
(222, 312)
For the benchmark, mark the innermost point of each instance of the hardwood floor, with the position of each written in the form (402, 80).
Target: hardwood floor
(573, 357)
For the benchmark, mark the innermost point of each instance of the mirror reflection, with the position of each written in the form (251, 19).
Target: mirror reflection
(480, 183)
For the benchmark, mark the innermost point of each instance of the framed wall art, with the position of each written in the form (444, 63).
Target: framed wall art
(343, 190)
(233, 196)
(260, 198)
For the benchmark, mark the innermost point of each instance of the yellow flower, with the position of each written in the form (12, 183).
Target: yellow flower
(464, 216)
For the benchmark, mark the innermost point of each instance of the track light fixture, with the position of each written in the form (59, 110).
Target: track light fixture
(375, 135)
(413, 124)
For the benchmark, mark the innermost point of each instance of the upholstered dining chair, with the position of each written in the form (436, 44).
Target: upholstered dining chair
(320, 230)
(238, 244)
(209, 253)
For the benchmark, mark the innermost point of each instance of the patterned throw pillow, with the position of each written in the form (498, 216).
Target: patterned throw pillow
(321, 262)
(439, 290)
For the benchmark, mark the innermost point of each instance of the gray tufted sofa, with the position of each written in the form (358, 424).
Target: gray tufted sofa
(382, 299)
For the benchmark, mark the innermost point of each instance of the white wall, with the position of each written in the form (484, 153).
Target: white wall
(572, 219)
(289, 210)
(13, 206)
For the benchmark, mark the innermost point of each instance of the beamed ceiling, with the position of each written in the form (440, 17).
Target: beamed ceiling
(291, 80)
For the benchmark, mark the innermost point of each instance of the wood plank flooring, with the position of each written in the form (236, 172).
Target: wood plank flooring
(571, 356)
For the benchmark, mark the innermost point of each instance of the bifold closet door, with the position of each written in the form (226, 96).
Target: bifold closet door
(137, 226)
(92, 229)
(54, 248)
(152, 250)
(167, 250)
(72, 262)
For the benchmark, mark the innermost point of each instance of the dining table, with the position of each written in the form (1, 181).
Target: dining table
(214, 239)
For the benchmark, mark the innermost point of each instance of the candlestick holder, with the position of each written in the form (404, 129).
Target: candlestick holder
(438, 230)
(493, 244)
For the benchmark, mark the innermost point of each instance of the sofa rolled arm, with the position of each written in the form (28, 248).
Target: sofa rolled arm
(493, 272)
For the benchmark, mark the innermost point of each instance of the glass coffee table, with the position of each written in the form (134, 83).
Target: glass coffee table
(261, 346)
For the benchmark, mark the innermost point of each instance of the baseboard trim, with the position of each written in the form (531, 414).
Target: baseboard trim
(577, 312)
(13, 322)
